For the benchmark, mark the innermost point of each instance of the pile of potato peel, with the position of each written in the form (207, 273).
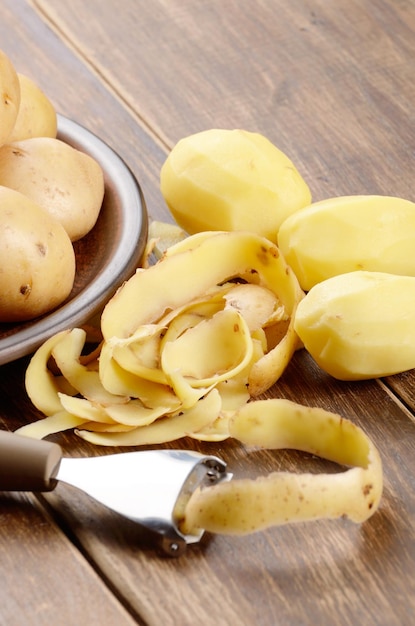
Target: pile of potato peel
(228, 334)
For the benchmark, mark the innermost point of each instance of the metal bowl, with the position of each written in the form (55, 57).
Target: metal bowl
(106, 257)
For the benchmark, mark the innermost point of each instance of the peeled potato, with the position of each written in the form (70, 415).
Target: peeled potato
(9, 97)
(344, 234)
(231, 180)
(37, 259)
(36, 116)
(162, 236)
(65, 182)
(360, 325)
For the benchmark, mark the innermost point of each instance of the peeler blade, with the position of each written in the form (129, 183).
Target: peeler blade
(150, 487)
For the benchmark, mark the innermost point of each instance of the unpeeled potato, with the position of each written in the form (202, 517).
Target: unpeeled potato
(9, 97)
(65, 182)
(37, 260)
(36, 116)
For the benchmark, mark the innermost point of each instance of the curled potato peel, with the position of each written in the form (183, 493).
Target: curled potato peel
(213, 258)
(163, 430)
(41, 385)
(120, 381)
(244, 506)
(224, 349)
(52, 424)
(190, 270)
(67, 354)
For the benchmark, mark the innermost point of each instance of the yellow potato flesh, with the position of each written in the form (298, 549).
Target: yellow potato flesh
(37, 116)
(66, 183)
(162, 236)
(36, 258)
(231, 180)
(360, 325)
(9, 97)
(55, 423)
(339, 235)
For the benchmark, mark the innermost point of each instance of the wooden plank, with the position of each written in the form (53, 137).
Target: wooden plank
(403, 385)
(332, 84)
(44, 579)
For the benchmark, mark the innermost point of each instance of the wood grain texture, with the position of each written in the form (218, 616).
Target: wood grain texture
(332, 84)
(44, 578)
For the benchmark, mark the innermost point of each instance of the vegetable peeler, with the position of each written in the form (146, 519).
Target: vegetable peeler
(150, 487)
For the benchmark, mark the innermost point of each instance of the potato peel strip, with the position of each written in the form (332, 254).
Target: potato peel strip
(52, 424)
(234, 254)
(224, 349)
(246, 506)
(163, 430)
(41, 385)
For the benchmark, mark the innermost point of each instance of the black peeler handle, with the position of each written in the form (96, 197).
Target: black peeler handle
(27, 464)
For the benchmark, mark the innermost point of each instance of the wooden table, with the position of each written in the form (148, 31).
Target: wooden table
(333, 85)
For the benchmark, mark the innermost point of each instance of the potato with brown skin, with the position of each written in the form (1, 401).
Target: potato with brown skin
(37, 115)
(9, 97)
(37, 260)
(65, 182)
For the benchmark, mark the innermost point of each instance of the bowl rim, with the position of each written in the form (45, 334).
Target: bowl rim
(132, 238)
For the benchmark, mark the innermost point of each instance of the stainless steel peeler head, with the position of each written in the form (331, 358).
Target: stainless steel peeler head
(150, 487)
